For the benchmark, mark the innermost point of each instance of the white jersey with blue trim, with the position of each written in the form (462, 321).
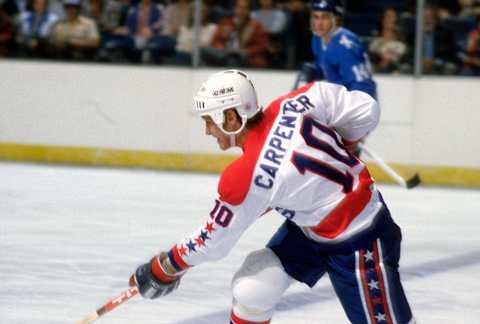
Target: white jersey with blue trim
(294, 161)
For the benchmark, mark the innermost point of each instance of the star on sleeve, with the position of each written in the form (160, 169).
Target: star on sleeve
(345, 41)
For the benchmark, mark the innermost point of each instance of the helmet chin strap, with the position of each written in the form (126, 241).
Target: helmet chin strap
(233, 141)
(233, 135)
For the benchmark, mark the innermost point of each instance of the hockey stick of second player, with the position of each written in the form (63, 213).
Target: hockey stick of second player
(110, 305)
(409, 184)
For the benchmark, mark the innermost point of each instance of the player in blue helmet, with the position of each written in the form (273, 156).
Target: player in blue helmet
(340, 56)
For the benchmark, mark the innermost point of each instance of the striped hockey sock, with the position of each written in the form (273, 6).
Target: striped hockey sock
(234, 319)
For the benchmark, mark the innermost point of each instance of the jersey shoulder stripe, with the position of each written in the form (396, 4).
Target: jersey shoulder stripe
(236, 179)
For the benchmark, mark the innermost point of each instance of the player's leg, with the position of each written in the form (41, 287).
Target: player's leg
(267, 273)
(368, 283)
(257, 286)
(300, 256)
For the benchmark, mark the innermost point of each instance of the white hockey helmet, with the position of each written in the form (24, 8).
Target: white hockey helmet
(224, 90)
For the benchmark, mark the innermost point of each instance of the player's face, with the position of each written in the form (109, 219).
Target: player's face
(39, 5)
(242, 10)
(71, 11)
(212, 129)
(321, 22)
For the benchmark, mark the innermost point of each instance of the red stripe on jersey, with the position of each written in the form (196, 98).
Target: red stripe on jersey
(382, 283)
(365, 288)
(302, 89)
(237, 320)
(236, 179)
(159, 272)
(178, 259)
(345, 212)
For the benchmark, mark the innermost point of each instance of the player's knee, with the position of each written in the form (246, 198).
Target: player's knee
(260, 282)
(254, 295)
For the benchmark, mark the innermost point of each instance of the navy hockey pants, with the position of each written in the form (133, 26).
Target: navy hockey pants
(363, 271)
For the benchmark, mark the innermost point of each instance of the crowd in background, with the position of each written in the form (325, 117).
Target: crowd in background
(243, 33)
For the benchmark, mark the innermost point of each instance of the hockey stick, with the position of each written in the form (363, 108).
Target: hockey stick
(409, 184)
(110, 305)
(306, 74)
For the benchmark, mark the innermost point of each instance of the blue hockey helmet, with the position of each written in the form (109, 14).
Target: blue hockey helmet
(333, 6)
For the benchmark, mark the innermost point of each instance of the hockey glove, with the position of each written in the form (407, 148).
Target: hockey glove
(353, 147)
(153, 281)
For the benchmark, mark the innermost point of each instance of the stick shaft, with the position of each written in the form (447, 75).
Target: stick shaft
(398, 179)
(110, 305)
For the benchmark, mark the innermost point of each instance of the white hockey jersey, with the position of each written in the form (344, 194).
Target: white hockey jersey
(294, 161)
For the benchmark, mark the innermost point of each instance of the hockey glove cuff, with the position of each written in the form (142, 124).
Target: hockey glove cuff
(153, 281)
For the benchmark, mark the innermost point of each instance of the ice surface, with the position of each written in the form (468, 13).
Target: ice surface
(70, 238)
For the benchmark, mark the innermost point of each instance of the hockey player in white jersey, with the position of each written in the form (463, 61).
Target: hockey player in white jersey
(295, 161)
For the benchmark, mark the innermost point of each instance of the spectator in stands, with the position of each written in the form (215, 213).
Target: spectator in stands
(142, 39)
(94, 10)
(386, 49)
(35, 27)
(185, 38)
(439, 48)
(238, 41)
(6, 32)
(177, 14)
(274, 20)
(298, 33)
(76, 36)
(444, 8)
(472, 59)
(56, 7)
(12, 7)
(220, 9)
(114, 18)
(113, 24)
(115, 15)
(145, 23)
(468, 8)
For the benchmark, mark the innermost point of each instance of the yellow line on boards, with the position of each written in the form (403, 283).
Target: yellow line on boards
(215, 163)
(114, 157)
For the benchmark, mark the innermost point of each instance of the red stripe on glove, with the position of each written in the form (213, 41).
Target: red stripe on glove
(159, 272)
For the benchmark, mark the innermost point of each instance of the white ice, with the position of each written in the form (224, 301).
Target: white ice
(70, 238)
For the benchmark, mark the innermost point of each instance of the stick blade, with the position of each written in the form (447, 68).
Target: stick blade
(413, 181)
(89, 319)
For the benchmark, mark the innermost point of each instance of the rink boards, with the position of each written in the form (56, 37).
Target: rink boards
(211, 163)
(141, 117)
